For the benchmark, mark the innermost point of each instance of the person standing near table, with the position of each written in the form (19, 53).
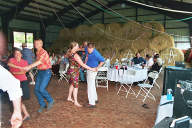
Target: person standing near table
(94, 60)
(43, 64)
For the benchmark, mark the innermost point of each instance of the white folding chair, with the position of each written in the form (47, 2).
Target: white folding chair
(158, 77)
(145, 89)
(126, 82)
(102, 77)
(63, 74)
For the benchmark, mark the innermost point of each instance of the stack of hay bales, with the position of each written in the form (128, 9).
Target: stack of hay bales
(115, 40)
(176, 56)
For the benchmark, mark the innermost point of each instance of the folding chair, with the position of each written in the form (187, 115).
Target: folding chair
(158, 77)
(126, 82)
(102, 77)
(63, 74)
(145, 89)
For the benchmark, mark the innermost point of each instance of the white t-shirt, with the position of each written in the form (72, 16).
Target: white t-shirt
(10, 84)
(150, 62)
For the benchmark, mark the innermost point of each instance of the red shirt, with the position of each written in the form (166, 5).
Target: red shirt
(21, 63)
(43, 56)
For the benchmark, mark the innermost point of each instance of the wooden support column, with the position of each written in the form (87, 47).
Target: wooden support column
(164, 21)
(136, 14)
(43, 27)
(5, 25)
(103, 18)
(190, 32)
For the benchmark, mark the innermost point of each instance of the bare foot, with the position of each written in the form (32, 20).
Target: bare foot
(77, 104)
(70, 100)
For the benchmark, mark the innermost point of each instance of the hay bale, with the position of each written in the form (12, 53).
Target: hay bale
(178, 55)
(141, 44)
(113, 30)
(162, 42)
(82, 32)
(131, 30)
(97, 31)
(149, 33)
(148, 51)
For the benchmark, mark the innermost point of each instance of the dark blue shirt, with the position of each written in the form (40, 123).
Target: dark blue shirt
(94, 58)
(139, 60)
(28, 55)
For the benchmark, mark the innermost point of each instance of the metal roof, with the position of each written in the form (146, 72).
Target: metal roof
(56, 11)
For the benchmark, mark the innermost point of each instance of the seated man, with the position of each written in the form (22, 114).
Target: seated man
(138, 60)
(149, 61)
(155, 68)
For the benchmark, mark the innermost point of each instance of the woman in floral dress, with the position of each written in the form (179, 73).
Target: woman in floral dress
(74, 65)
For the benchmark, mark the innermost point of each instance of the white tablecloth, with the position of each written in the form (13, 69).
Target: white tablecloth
(164, 110)
(132, 74)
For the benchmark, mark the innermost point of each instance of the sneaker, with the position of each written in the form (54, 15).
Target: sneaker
(32, 83)
(41, 109)
(50, 105)
(90, 106)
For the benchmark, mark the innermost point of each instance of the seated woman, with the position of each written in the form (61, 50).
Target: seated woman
(21, 76)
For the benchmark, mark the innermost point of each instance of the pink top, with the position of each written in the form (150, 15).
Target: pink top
(22, 63)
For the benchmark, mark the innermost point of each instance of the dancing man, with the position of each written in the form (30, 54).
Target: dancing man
(94, 60)
(74, 65)
(43, 64)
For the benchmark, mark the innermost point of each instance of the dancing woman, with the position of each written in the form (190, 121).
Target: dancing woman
(75, 62)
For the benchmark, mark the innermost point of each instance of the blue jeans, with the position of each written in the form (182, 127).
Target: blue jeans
(41, 83)
(82, 76)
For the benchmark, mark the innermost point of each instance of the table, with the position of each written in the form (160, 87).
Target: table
(164, 110)
(132, 74)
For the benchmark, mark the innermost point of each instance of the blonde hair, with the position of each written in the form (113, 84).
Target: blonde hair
(71, 46)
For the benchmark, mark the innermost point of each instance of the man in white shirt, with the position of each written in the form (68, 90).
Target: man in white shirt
(149, 60)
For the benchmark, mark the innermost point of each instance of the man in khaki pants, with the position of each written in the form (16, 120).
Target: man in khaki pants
(93, 60)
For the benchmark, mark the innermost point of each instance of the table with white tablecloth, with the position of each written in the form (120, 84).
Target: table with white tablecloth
(131, 74)
(164, 110)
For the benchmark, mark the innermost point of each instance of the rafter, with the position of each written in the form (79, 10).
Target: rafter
(90, 14)
(172, 4)
(45, 5)
(112, 3)
(51, 20)
(16, 10)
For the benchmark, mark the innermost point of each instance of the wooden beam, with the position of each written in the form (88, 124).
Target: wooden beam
(40, 9)
(190, 32)
(51, 19)
(43, 27)
(172, 4)
(5, 24)
(75, 23)
(45, 5)
(16, 10)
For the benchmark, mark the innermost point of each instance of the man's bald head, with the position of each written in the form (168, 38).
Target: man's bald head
(3, 44)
